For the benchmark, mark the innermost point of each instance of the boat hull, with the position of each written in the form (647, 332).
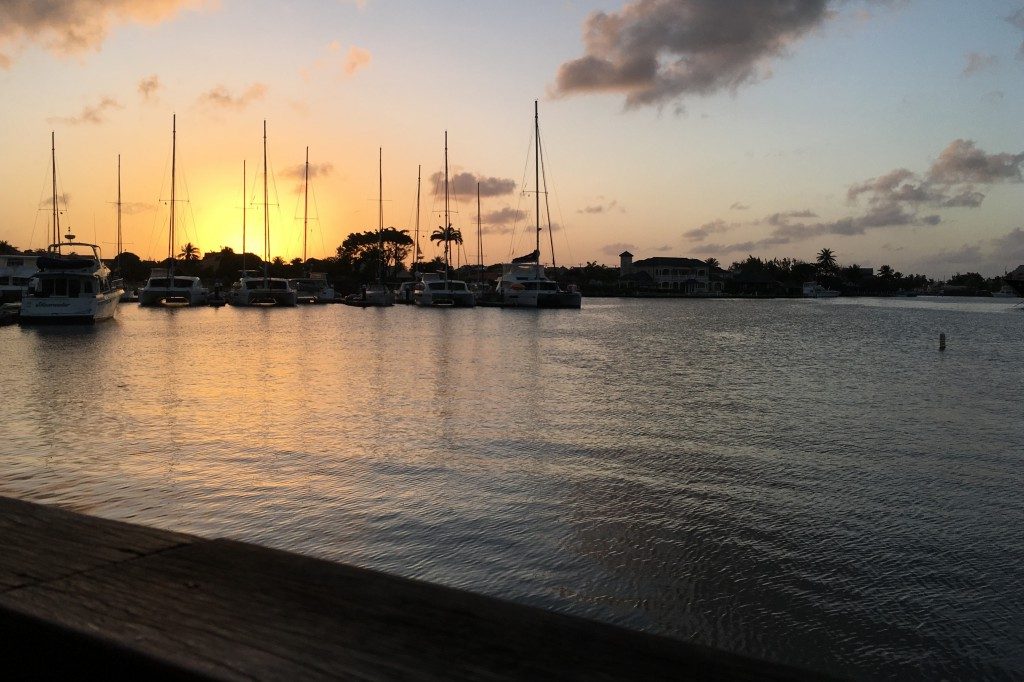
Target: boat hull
(171, 295)
(65, 310)
(266, 297)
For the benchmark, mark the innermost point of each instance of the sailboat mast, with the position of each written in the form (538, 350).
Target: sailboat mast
(479, 238)
(266, 215)
(536, 173)
(447, 226)
(243, 217)
(120, 243)
(56, 212)
(305, 210)
(416, 249)
(380, 213)
(170, 232)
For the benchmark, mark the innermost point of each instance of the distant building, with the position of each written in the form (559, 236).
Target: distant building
(15, 271)
(665, 274)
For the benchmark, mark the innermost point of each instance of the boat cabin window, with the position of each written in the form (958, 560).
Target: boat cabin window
(53, 286)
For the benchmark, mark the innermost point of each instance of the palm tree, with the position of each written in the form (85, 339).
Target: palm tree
(712, 263)
(447, 235)
(827, 260)
(189, 252)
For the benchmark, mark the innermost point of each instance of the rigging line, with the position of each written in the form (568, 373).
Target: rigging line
(157, 215)
(567, 243)
(547, 204)
(191, 212)
(519, 200)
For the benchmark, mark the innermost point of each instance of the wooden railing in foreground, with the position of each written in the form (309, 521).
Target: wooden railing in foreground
(82, 596)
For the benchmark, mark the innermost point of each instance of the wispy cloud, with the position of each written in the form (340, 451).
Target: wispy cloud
(707, 229)
(93, 114)
(617, 248)
(977, 62)
(356, 59)
(596, 209)
(222, 98)
(298, 173)
(502, 220)
(62, 200)
(71, 27)
(464, 184)
(897, 199)
(1017, 19)
(342, 65)
(1010, 246)
(149, 87)
(656, 51)
(737, 206)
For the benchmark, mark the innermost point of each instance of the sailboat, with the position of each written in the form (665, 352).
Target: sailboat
(314, 287)
(251, 290)
(376, 294)
(436, 289)
(69, 287)
(524, 282)
(164, 287)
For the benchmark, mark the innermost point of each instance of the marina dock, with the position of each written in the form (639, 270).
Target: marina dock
(80, 594)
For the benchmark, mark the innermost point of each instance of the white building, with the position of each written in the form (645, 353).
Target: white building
(665, 274)
(15, 271)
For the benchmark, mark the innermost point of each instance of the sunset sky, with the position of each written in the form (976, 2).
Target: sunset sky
(890, 131)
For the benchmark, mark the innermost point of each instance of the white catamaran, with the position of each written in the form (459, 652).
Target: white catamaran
(164, 287)
(251, 290)
(436, 289)
(524, 282)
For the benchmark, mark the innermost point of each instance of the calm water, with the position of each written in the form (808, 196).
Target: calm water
(805, 481)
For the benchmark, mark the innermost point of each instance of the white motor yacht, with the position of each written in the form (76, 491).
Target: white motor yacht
(70, 287)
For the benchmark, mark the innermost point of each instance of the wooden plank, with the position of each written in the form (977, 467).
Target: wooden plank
(231, 610)
(40, 542)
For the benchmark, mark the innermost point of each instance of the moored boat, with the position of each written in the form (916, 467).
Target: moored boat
(252, 290)
(437, 291)
(524, 282)
(166, 288)
(69, 287)
(815, 290)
